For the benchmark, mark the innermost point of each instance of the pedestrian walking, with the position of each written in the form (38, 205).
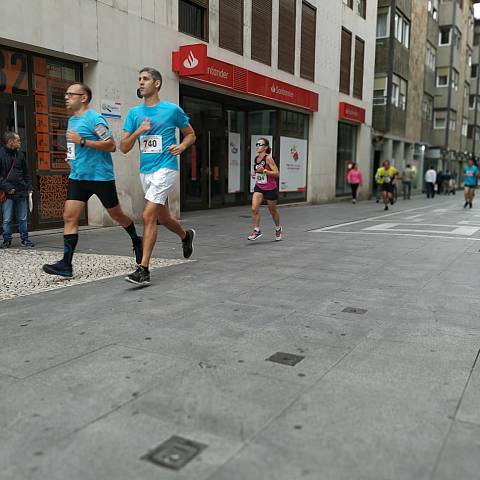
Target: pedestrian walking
(355, 179)
(265, 174)
(470, 178)
(407, 178)
(89, 147)
(385, 177)
(16, 185)
(153, 125)
(430, 182)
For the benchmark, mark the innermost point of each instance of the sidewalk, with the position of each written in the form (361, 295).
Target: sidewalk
(94, 375)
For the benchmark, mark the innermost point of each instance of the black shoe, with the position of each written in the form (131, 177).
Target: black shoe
(138, 251)
(187, 243)
(27, 243)
(6, 244)
(391, 201)
(470, 205)
(59, 268)
(141, 276)
(465, 205)
(386, 207)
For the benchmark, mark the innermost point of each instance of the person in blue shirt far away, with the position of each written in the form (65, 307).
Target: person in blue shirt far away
(470, 178)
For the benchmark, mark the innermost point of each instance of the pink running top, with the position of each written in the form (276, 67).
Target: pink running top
(263, 181)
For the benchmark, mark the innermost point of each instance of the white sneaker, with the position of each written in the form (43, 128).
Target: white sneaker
(278, 234)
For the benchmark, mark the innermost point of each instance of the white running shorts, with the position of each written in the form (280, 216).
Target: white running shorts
(157, 185)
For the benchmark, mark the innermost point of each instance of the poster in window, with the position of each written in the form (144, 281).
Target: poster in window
(253, 155)
(293, 164)
(234, 159)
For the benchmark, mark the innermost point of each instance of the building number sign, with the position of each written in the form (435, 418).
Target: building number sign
(13, 72)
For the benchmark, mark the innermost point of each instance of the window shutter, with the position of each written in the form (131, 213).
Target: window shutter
(286, 36)
(307, 56)
(358, 68)
(262, 31)
(231, 25)
(345, 56)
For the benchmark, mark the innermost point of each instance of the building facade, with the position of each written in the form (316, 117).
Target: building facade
(422, 85)
(240, 69)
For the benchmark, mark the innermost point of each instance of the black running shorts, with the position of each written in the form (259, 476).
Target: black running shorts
(387, 187)
(82, 190)
(267, 194)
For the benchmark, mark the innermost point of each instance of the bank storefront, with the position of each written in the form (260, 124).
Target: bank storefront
(32, 89)
(230, 108)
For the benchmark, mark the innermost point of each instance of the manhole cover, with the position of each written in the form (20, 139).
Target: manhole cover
(285, 358)
(175, 452)
(360, 311)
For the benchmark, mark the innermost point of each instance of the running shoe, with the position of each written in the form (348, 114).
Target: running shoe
(470, 205)
(6, 244)
(254, 235)
(27, 243)
(465, 205)
(278, 234)
(141, 276)
(187, 243)
(59, 268)
(138, 250)
(386, 207)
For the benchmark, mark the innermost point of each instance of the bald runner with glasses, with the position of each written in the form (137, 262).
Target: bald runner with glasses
(89, 147)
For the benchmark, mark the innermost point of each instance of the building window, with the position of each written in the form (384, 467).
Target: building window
(444, 36)
(262, 31)
(230, 20)
(433, 8)
(383, 22)
(439, 120)
(455, 77)
(442, 77)
(469, 56)
(465, 127)
(345, 60)
(286, 27)
(348, 3)
(402, 29)
(473, 70)
(361, 7)
(399, 92)
(193, 18)
(427, 107)
(471, 102)
(358, 68)
(431, 56)
(380, 90)
(307, 54)
(453, 121)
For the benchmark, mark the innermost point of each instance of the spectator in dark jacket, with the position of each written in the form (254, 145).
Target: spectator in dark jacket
(16, 183)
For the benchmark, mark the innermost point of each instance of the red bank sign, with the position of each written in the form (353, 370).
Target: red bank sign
(193, 62)
(351, 113)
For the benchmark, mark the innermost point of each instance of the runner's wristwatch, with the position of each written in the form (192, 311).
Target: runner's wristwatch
(82, 142)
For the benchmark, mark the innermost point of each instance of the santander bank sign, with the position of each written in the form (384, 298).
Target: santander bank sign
(193, 62)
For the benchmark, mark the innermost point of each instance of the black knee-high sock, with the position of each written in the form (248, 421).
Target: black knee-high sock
(69, 244)
(132, 232)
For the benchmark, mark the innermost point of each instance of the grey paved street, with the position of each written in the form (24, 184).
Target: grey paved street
(98, 373)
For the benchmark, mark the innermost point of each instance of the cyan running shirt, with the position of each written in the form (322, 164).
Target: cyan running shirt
(87, 163)
(470, 175)
(165, 118)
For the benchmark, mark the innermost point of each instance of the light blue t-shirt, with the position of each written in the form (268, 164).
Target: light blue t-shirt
(88, 163)
(165, 118)
(470, 175)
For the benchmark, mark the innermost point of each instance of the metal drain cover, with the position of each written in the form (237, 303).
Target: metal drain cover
(289, 359)
(360, 311)
(175, 452)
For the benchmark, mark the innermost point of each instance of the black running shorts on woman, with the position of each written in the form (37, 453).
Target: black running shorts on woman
(267, 194)
(82, 190)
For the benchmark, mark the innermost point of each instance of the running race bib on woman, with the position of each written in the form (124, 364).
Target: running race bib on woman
(261, 178)
(70, 151)
(165, 118)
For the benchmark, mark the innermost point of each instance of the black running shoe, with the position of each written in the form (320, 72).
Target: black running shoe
(138, 250)
(465, 205)
(187, 243)
(386, 207)
(141, 276)
(59, 268)
(470, 204)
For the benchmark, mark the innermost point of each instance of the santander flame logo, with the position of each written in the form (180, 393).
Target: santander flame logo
(191, 61)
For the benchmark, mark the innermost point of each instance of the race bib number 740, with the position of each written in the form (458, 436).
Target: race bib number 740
(151, 144)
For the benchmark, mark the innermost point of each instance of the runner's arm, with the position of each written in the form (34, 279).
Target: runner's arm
(107, 145)
(129, 138)
(188, 140)
(273, 172)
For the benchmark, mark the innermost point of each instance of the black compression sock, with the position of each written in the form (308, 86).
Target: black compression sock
(69, 244)
(132, 232)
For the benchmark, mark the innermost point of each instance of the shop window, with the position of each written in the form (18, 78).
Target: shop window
(193, 18)
(262, 31)
(345, 61)
(358, 68)
(286, 42)
(231, 25)
(307, 57)
(346, 155)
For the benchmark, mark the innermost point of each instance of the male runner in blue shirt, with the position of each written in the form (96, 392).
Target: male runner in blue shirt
(470, 176)
(153, 125)
(89, 143)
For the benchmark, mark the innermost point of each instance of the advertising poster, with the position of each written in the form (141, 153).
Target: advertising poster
(293, 164)
(234, 156)
(253, 154)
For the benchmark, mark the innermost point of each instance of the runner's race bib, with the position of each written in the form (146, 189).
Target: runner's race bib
(387, 179)
(70, 151)
(261, 178)
(151, 144)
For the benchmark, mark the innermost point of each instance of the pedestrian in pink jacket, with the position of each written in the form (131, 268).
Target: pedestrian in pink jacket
(354, 178)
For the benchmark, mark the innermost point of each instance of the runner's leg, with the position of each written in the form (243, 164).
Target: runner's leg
(272, 208)
(256, 202)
